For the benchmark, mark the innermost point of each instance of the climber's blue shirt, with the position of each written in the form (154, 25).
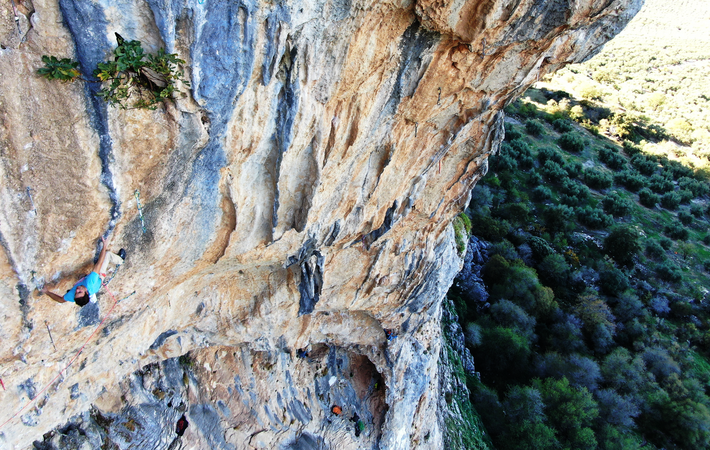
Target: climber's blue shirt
(92, 283)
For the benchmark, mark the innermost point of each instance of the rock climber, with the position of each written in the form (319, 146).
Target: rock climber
(85, 289)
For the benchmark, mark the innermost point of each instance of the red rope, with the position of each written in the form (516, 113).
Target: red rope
(115, 302)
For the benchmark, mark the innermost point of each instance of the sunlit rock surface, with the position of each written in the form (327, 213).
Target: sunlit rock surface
(297, 196)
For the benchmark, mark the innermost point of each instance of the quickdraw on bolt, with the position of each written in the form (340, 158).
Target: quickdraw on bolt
(17, 16)
(140, 210)
(46, 324)
(29, 194)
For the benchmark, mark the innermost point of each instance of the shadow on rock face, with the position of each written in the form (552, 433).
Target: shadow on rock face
(88, 315)
(307, 441)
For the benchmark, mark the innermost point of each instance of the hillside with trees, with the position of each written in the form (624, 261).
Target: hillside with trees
(584, 295)
(655, 74)
(586, 308)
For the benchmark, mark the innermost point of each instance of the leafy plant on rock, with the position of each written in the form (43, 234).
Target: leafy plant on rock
(59, 69)
(150, 77)
(462, 228)
(135, 79)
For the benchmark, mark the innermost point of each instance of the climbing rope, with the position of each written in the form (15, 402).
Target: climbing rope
(140, 210)
(61, 372)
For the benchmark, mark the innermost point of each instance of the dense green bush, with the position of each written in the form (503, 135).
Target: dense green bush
(685, 196)
(571, 142)
(527, 109)
(517, 213)
(612, 158)
(676, 169)
(654, 250)
(631, 180)
(540, 247)
(698, 188)
(554, 271)
(550, 154)
(558, 218)
(512, 133)
(573, 192)
(512, 155)
(503, 162)
(685, 217)
(622, 244)
(553, 172)
(521, 152)
(594, 218)
(676, 231)
(541, 193)
(669, 272)
(601, 316)
(648, 198)
(569, 410)
(613, 282)
(534, 179)
(490, 228)
(596, 179)
(630, 148)
(643, 164)
(563, 125)
(616, 205)
(501, 350)
(503, 248)
(665, 242)
(697, 210)
(534, 127)
(660, 184)
(670, 200)
(574, 169)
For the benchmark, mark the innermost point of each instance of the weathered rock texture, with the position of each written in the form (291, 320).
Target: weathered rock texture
(298, 195)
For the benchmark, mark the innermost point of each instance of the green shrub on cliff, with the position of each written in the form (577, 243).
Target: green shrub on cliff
(462, 228)
(134, 79)
(59, 69)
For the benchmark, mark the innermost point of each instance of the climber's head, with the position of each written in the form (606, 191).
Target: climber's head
(81, 295)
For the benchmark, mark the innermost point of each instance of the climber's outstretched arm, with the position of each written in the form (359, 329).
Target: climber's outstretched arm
(53, 296)
(102, 256)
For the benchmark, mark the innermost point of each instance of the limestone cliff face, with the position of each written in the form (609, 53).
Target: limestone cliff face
(298, 195)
